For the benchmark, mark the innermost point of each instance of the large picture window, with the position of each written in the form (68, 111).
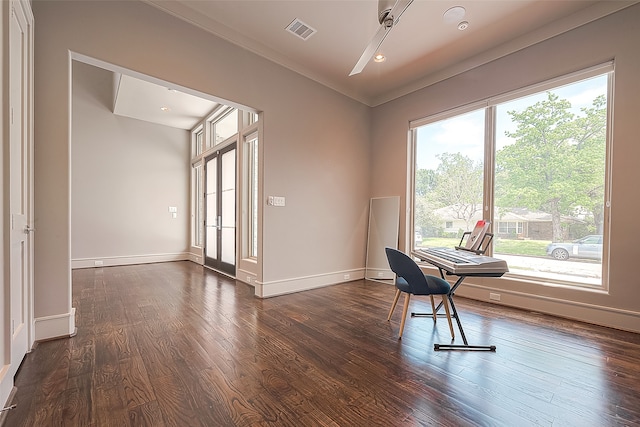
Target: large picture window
(534, 163)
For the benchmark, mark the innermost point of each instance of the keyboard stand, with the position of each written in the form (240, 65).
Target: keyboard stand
(454, 314)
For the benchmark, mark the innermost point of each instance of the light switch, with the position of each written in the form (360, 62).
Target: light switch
(276, 201)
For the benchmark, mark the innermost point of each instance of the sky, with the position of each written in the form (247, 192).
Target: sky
(465, 133)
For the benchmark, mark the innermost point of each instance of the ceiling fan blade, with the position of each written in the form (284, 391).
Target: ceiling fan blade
(371, 49)
(396, 12)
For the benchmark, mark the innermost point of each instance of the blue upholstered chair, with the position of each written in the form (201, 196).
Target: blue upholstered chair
(412, 281)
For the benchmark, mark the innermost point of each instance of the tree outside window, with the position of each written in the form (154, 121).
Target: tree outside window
(548, 185)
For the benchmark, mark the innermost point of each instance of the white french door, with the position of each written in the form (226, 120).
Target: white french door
(220, 205)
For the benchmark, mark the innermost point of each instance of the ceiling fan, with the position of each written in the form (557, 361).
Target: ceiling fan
(389, 13)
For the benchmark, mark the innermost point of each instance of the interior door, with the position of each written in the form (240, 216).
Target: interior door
(20, 186)
(220, 203)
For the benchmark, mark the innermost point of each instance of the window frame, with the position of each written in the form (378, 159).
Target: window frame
(197, 208)
(218, 116)
(197, 141)
(490, 104)
(251, 199)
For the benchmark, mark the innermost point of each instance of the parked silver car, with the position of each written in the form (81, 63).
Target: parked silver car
(586, 247)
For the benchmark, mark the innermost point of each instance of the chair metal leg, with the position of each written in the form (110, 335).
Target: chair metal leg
(407, 297)
(393, 306)
(446, 310)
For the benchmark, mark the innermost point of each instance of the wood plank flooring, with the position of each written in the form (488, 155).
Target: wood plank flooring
(174, 344)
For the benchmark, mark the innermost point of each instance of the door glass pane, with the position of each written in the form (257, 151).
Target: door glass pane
(212, 175)
(228, 208)
(212, 242)
(229, 170)
(228, 245)
(448, 179)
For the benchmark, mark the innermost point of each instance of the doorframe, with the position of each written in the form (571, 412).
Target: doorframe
(219, 265)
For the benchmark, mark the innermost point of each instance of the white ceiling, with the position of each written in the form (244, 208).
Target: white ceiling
(150, 102)
(423, 48)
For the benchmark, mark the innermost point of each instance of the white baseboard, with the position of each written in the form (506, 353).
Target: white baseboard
(129, 260)
(298, 284)
(247, 277)
(57, 326)
(195, 258)
(379, 274)
(625, 320)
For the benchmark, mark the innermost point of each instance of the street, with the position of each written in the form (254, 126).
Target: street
(574, 270)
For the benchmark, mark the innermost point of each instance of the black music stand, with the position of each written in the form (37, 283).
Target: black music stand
(486, 240)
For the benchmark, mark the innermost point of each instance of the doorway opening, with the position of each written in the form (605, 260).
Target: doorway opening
(220, 202)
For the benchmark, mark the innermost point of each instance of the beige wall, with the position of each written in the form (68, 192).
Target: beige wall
(316, 141)
(324, 152)
(614, 37)
(125, 175)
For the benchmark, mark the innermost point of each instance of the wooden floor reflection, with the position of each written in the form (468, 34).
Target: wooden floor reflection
(174, 344)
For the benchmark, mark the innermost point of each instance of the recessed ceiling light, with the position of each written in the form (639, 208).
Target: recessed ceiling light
(454, 14)
(379, 58)
(165, 109)
(463, 25)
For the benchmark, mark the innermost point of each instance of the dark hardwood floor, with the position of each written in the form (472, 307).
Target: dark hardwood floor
(174, 344)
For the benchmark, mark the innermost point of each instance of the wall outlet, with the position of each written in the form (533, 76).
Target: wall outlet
(98, 263)
(494, 296)
(347, 276)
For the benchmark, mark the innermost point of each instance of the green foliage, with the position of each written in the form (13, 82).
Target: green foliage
(556, 163)
(425, 181)
(457, 182)
(440, 242)
(426, 221)
(520, 247)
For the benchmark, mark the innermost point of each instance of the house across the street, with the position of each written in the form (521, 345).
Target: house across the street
(513, 223)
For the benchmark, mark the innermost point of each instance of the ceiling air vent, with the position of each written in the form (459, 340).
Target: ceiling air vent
(301, 29)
